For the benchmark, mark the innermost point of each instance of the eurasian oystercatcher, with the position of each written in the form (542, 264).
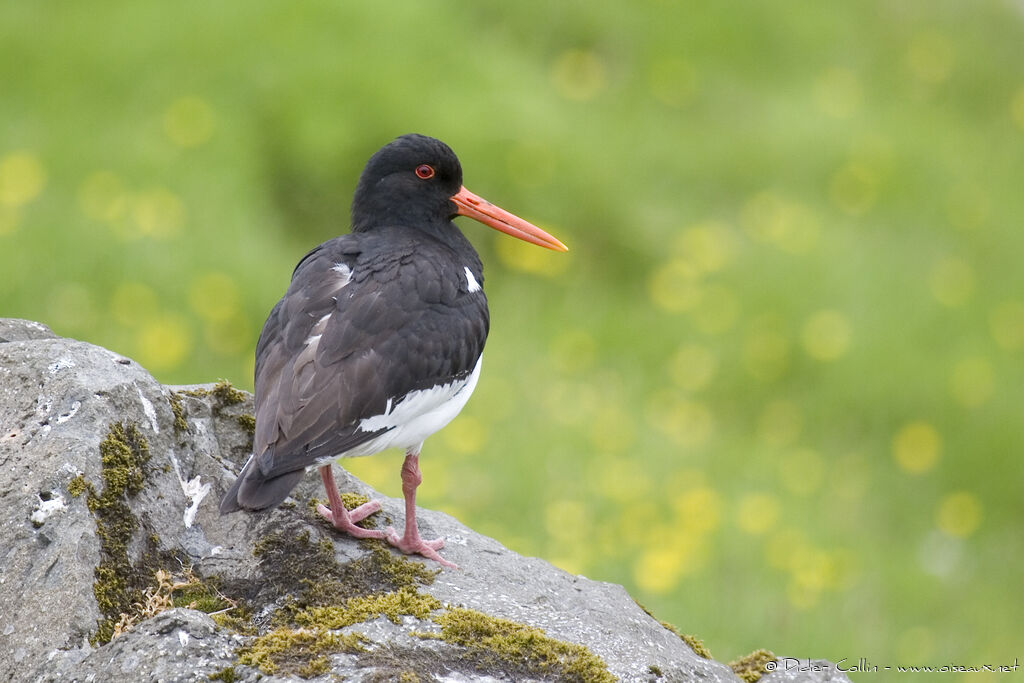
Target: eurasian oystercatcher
(378, 341)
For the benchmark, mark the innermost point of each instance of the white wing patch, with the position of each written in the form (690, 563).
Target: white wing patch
(471, 282)
(420, 414)
(344, 273)
(317, 331)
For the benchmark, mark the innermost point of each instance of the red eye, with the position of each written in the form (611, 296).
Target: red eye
(425, 171)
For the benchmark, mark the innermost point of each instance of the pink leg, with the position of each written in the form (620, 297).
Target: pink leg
(342, 519)
(410, 542)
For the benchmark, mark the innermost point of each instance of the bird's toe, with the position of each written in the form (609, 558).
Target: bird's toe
(363, 511)
(418, 546)
(346, 523)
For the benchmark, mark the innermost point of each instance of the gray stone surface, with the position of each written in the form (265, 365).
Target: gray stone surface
(58, 399)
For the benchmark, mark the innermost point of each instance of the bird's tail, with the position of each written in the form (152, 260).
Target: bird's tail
(253, 490)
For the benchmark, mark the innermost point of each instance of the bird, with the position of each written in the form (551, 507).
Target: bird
(378, 341)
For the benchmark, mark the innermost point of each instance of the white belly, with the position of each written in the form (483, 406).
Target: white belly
(418, 416)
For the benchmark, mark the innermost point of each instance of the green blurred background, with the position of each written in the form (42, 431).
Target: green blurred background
(776, 387)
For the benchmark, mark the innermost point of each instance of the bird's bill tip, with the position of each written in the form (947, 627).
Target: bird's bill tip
(479, 209)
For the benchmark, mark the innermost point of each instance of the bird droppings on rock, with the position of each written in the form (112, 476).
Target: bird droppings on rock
(751, 668)
(194, 489)
(50, 502)
(150, 411)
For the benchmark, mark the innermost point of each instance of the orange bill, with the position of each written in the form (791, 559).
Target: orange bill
(479, 209)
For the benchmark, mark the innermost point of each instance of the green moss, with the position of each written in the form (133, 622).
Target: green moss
(399, 570)
(120, 583)
(655, 670)
(295, 565)
(695, 643)
(318, 594)
(180, 425)
(354, 500)
(227, 394)
(408, 677)
(510, 645)
(288, 560)
(393, 605)
(200, 595)
(227, 675)
(302, 652)
(751, 667)
(248, 422)
(78, 486)
(238, 620)
(123, 453)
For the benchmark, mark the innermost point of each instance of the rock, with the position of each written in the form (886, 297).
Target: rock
(116, 563)
(13, 329)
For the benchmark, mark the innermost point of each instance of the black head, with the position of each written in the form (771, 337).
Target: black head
(408, 181)
(416, 181)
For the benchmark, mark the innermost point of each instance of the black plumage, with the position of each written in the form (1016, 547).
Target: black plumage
(392, 310)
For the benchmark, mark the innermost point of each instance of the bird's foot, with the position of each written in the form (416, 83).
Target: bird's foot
(345, 520)
(412, 544)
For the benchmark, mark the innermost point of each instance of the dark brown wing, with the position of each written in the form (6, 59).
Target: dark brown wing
(363, 323)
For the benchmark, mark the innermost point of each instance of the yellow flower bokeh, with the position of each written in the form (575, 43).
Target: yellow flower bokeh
(826, 335)
(917, 447)
(692, 367)
(189, 121)
(783, 222)
(214, 296)
(972, 382)
(673, 81)
(780, 423)
(838, 92)
(675, 286)
(579, 75)
(22, 178)
(1006, 323)
(854, 188)
(158, 213)
(959, 514)
(929, 57)
(951, 281)
(758, 513)
(164, 341)
(102, 197)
